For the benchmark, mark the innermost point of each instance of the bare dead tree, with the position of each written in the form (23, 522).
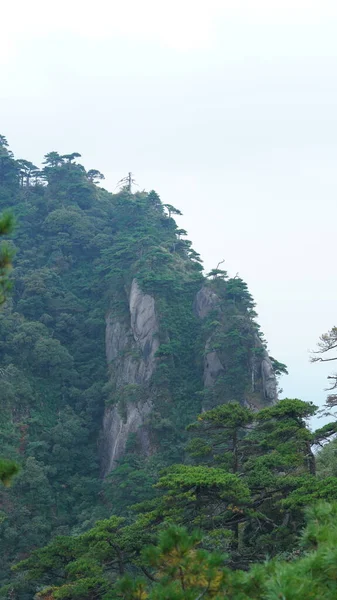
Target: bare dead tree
(127, 182)
(219, 263)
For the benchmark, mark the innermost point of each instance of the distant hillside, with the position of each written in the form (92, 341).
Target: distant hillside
(112, 342)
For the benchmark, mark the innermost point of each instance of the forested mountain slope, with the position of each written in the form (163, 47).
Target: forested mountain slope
(112, 342)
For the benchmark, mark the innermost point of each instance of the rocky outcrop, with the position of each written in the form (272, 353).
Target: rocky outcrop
(131, 346)
(269, 382)
(265, 372)
(212, 366)
(263, 375)
(144, 327)
(116, 430)
(132, 343)
(206, 301)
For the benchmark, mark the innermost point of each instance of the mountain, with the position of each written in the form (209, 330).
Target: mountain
(112, 342)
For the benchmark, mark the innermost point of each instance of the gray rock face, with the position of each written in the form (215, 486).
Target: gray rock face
(268, 380)
(116, 430)
(204, 302)
(212, 368)
(131, 346)
(144, 326)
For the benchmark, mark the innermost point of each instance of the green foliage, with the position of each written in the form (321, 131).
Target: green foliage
(243, 477)
(279, 367)
(223, 435)
(327, 460)
(252, 503)
(251, 510)
(230, 330)
(6, 255)
(51, 353)
(8, 468)
(79, 249)
(176, 567)
(326, 350)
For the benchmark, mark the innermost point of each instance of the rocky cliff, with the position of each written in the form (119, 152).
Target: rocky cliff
(263, 377)
(111, 319)
(131, 347)
(133, 352)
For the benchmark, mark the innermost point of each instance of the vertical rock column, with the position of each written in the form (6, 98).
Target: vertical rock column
(131, 345)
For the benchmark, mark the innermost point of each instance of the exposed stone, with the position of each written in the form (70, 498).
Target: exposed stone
(131, 346)
(204, 302)
(212, 367)
(144, 327)
(268, 380)
(116, 431)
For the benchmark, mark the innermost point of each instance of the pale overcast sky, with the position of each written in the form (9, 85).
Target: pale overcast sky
(227, 108)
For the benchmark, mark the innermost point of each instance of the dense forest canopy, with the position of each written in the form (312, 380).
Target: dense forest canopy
(139, 410)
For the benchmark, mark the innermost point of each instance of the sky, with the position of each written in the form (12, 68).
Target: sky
(227, 108)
